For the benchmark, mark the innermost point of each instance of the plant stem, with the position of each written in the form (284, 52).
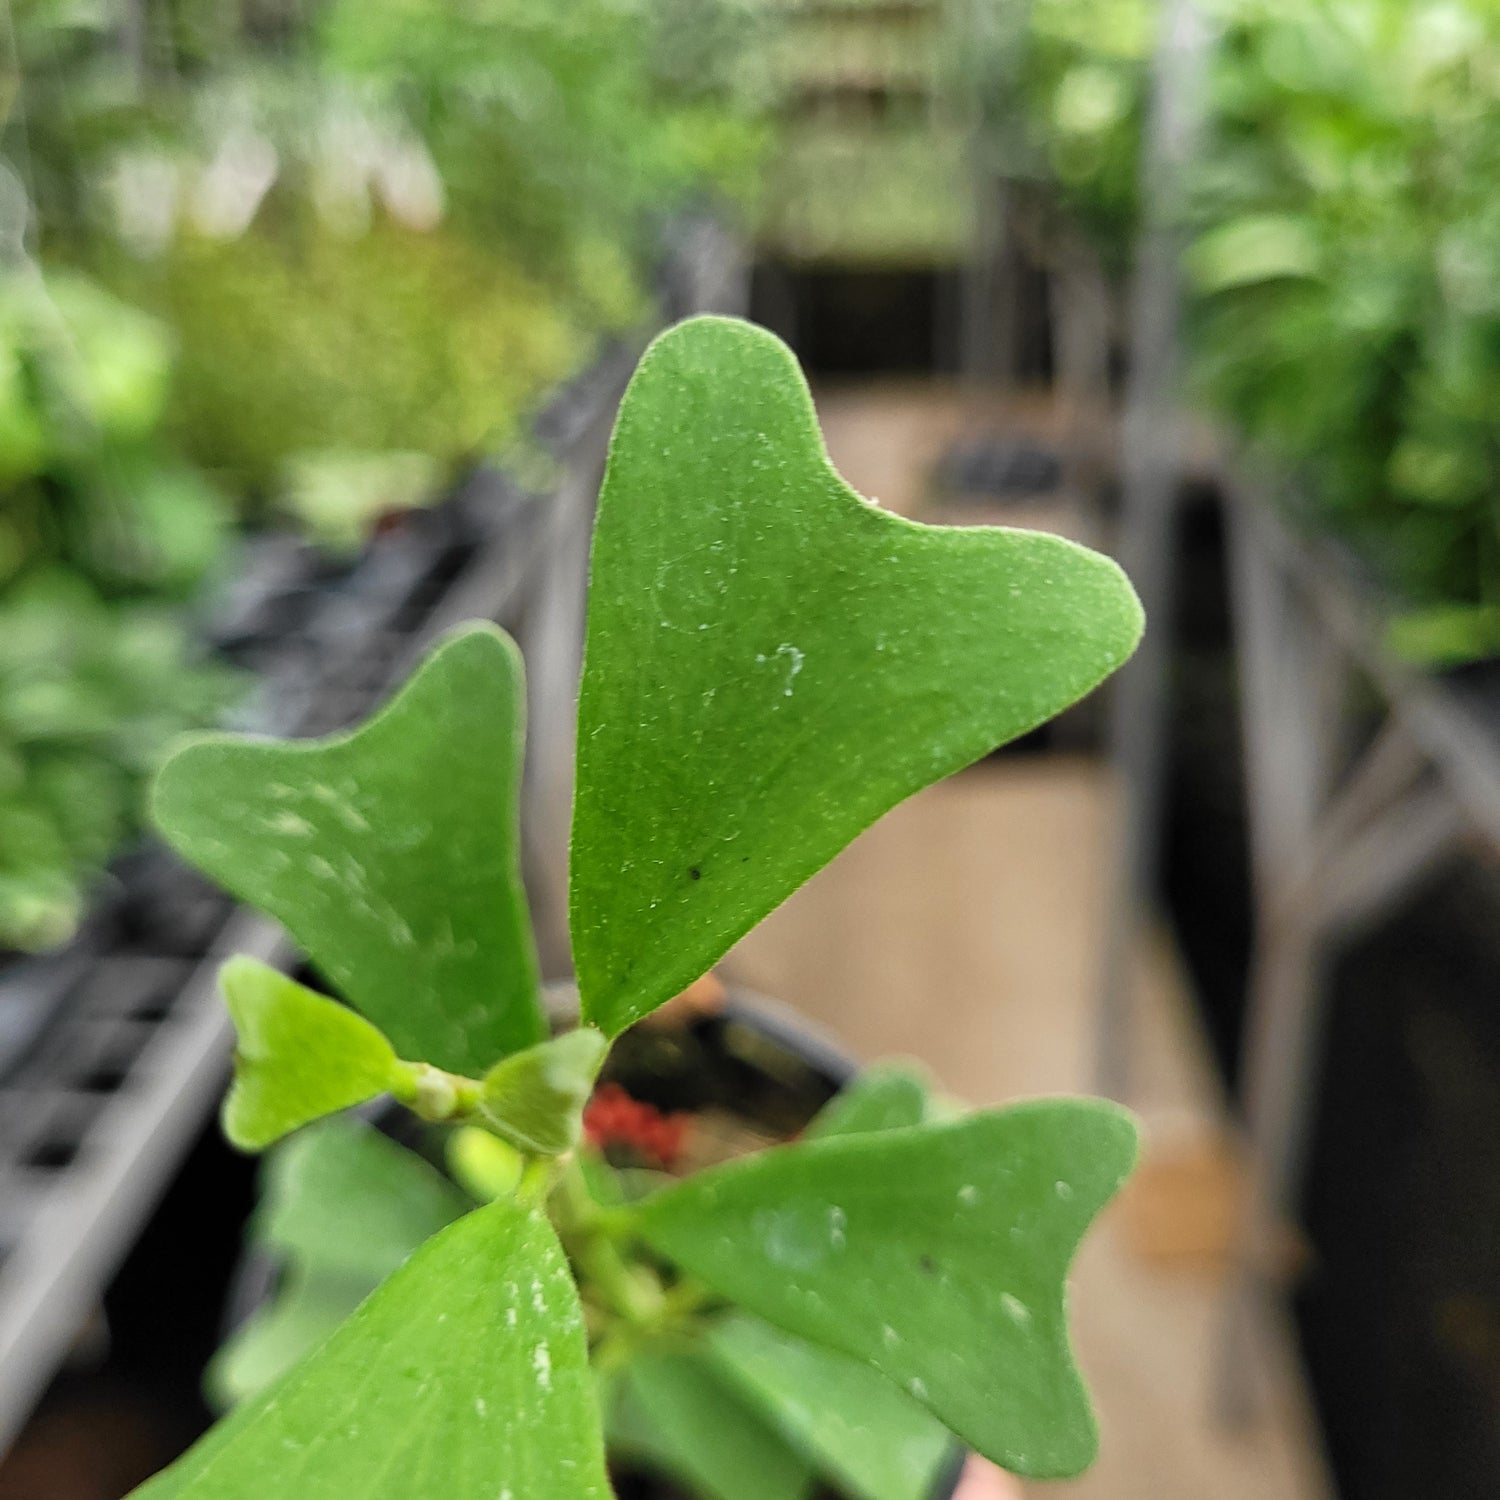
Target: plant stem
(630, 1290)
(434, 1095)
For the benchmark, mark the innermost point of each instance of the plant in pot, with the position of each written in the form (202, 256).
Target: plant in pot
(772, 662)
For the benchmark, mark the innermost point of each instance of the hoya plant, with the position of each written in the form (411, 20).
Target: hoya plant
(772, 662)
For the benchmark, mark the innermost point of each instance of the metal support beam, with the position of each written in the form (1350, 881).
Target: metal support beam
(1330, 853)
(1151, 461)
(1081, 349)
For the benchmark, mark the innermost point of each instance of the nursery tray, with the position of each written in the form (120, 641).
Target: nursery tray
(120, 1043)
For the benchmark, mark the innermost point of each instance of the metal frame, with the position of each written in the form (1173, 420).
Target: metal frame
(1152, 462)
(1337, 839)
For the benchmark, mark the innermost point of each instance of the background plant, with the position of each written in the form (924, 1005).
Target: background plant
(1084, 83)
(772, 663)
(1341, 265)
(1347, 318)
(329, 256)
(454, 201)
(103, 528)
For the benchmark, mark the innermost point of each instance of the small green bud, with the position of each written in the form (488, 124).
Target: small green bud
(483, 1165)
(438, 1096)
(535, 1098)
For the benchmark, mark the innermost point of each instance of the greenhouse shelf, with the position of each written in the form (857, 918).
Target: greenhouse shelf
(1153, 463)
(113, 1052)
(1335, 842)
(96, 1117)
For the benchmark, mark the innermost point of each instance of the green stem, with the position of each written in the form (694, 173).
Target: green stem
(434, 1095)
(538, 1179)
(630, 1290)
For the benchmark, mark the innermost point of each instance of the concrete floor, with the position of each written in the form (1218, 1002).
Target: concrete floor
(963, 930)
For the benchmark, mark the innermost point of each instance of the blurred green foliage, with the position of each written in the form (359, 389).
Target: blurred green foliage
(101, 527)
(326, 255)
(452, 343)
(897, 193)
(1344, 260)
(373, 223)
(1084, 77)
(87, 482)
(873, 166)
(455, 200)
(555, 128)
(91, 692)
(1348, 272)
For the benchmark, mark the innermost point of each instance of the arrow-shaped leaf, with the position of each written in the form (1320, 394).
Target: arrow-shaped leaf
(846, 1418)
(343, 1172)
(887, 1096)
(342, 1206)
(535, 1098)
(674, 1410)
(391, 854)
(466, 1375)
(299, 1055)
(306, 1308)
(936, 1254)
(774, 662)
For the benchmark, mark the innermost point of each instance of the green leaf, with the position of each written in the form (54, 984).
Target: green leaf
(773, 662)
(341, 1195)
(936, 1254)
(307, 1308)
(845, 1418)
(535, 1098)
(888, 1096)
(465, 1376)
(1444, 635)
(391, 854)
(1255, 248)
(299, 1055)
(482, 1164)
(344, 1207)
(605, 1183)
(674, 1412)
